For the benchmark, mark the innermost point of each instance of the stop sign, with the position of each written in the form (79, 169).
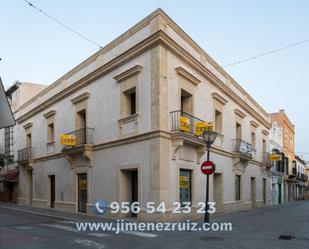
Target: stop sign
(208, 167)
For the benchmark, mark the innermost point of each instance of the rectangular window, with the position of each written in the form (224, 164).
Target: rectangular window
(133, 103)
(185, 186)
(218, 121)
(50, 133)
(130, 102)
(238, 131)
(253, 140)
(237, 187)
(186, 102)
(8, 141)
(264, 146)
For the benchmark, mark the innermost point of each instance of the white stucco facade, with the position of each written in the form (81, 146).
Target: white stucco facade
(163, 71)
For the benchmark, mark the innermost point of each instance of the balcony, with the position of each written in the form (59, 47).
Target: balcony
(25, 155)
(185, 126)
(83, 146)
(242, 150)
(293, 173)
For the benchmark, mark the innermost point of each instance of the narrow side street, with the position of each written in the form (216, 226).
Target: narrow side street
(258, 228)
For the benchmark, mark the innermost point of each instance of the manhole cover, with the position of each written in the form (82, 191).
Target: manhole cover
(286, 237)
(211, 238)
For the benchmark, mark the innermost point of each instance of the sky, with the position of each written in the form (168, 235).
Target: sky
(35, 49)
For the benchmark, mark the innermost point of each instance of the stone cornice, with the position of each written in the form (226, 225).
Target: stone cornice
(185, 74)
(254, 124)
(49, 114)
(80, 98)
(219, 98)
(265, 132)
(157, 38)
(128, 73)
(239, 113)
(28, 125)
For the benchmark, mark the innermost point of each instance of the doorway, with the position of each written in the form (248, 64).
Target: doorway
(29, 187)
(82, 192)
(253, 192)
(52, 191)
(129, 187)
(279, 193)
(218, 190)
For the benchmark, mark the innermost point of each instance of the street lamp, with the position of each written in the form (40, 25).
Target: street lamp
(209, 138)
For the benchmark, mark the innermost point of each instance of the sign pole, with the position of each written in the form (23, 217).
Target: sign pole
(206, 215)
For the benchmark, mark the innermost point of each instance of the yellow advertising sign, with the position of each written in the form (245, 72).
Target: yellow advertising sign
(184, 124)
(274, 157)
(68, 139)
(82, 184)
(200, 127)
(183, 181)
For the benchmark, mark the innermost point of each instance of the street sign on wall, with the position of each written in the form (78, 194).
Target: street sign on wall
(184, 124)
(67, 139)
(208, 167)
(200, 127)
(274, 157)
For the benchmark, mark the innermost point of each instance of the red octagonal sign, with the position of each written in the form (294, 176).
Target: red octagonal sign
(208, 167)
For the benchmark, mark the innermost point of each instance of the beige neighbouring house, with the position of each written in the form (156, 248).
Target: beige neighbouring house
(124, 106)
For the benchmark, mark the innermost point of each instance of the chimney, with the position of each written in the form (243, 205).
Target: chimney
(282, 110)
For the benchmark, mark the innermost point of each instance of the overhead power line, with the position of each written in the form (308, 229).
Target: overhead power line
(62, 24)
(267, 53)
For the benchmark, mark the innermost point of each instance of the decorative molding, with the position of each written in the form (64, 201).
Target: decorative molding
(265, 132)
(185, 74)
(133, 117)
(80, 98)
(239, 113)
(219, 98)
(156, 38)
(28, 125)
(128, 73)
(254, 124)
(49, 114)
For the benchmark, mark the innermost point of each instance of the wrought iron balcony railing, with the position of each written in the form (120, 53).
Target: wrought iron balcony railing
(184, 122)
(242, 147)
(82, 136)
(25, 154)
(266, 158)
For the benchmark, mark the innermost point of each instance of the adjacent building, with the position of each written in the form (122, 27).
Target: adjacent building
(300, 178)
(277, 171)
(281, 120)
(16, 95)
(134, 109)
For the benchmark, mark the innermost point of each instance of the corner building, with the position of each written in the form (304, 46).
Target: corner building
(124, 106)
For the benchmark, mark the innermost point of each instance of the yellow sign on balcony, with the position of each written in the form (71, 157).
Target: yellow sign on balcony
(67, 139)
(274, 157)
(184, 124)
(200, 127)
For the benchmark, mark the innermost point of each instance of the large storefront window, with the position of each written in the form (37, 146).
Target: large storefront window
(184, 186)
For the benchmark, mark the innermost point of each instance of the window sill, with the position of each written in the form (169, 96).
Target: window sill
(128, 119)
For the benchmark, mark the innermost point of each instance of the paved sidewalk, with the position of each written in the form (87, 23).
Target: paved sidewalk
(49, 212)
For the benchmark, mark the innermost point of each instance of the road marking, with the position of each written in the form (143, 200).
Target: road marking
(67, 221)
(62, 227)
(149, 235)
(24, 228)
(100, 235)
(89, 243)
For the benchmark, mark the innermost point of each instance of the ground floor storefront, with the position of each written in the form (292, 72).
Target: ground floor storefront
(151, 173)
(9, 187)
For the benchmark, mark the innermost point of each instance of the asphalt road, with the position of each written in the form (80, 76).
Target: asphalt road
(259, 228)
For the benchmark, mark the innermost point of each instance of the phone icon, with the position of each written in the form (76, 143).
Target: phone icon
(100, 207)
